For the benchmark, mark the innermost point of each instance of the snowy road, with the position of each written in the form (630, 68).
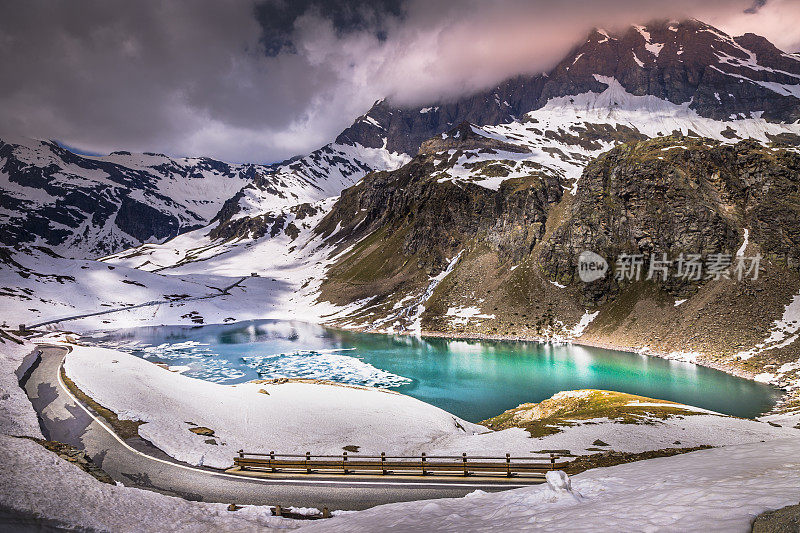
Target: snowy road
(135, 462)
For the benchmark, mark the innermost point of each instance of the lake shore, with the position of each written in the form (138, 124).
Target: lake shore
(786, 396)
(728, 369)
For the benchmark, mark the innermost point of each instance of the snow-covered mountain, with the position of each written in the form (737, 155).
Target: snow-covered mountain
(82, 206)
(86, 207)
(645, 82)
(91, 206)
(288, 222)
(686, 62)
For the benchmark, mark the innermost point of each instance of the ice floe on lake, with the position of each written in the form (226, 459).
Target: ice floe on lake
(324, 364)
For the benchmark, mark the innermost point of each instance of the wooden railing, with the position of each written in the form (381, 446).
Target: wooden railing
(385, 465)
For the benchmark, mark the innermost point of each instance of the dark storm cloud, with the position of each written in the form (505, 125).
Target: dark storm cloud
(277, 19)
(251, 81)
(757, 4)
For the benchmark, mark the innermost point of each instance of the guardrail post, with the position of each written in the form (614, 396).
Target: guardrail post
(464, 459)
(272, 461)
(277, 511)
(552, 461)
(241, 456)
(326, 513)
(383, 463)
(344, 462)
(508, 464)
(423, 464)
(308, 462)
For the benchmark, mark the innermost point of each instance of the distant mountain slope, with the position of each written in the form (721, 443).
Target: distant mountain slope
(322, 174)
(85, 207)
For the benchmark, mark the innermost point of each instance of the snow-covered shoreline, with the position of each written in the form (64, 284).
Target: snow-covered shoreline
(687, 481)
(325, 418)
(718, 490)
(257, 417)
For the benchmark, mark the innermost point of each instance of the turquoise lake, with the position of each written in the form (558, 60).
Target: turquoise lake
(472, 379)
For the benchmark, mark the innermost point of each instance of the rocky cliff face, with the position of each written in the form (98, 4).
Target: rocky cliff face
(436, 217)
(686, 62)
(679, 195)
(445, 255)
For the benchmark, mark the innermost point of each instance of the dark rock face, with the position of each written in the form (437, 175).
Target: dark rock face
(678, 62)
(679, 195)
(144, 222)
(421, 222)
(406, 128)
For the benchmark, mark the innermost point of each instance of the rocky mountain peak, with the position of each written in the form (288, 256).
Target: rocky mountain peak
(688, 61)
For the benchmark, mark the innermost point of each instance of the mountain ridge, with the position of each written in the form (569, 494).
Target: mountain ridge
(686, 62)
(675, 76)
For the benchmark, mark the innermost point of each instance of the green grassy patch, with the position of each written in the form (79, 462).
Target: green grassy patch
(565, 408)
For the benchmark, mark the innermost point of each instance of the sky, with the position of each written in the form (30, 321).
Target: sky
(260, 81)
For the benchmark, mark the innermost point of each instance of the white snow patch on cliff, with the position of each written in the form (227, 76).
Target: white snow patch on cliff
(783, 331)
(463, 315)
(584, 322)
(743, 247)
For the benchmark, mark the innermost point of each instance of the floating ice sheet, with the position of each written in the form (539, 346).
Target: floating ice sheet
(324, 364)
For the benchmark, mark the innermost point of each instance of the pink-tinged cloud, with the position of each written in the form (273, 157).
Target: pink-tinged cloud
(192, 78)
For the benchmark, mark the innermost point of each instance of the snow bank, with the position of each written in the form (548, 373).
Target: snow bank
(37, 482)
(710, 490)
(652, 433)
(288, 417)
(17, 416)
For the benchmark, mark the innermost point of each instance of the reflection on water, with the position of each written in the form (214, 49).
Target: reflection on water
(473, 379)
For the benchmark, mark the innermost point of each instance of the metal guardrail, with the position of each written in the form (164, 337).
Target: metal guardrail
(389, 464)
